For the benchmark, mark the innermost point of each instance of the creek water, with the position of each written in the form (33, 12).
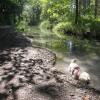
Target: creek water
(86, 52)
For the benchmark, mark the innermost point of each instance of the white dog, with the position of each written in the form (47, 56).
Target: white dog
(74, 70)
(72, 66)
(84, 77)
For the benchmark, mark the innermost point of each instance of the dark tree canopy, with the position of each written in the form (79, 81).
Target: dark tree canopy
(9, 9)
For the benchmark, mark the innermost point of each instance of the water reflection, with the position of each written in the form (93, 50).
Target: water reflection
(70, 47)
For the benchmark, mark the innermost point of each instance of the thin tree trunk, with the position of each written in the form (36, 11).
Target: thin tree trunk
(77, 12)
(96, 8)
(89, 2)
(84, 4)
(80, 3)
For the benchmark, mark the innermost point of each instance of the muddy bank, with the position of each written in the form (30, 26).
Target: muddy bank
(29, 74)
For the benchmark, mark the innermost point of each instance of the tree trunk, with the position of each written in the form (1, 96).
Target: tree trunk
(77, 12)
(84, 4)
(96, 8)
(80, 4)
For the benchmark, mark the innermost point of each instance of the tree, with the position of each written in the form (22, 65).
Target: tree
(77, 11)
(96, 8)
(9, 9)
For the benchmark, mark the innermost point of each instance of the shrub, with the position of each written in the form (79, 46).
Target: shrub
(95, 26)
(45, 25)
(62, 28)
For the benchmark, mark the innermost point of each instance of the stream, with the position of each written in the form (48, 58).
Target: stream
(86, 52)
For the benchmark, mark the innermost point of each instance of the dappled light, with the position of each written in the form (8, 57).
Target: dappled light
(49, 50)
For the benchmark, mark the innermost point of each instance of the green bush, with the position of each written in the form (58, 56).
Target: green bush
(95, 26)
(80, 29)
(63, 27)
(45, 25)
(24, 20)
(21, 26)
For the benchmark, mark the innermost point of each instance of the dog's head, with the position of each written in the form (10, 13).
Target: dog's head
(73, 61)
(84, 78)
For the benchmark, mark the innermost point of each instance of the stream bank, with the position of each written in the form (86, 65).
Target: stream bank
(29, 73)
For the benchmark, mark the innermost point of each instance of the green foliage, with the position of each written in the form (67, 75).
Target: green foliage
(62, 15)
(95, 26)
(55, 11)
(63, 27)
(58, 15)
(30, 15)
(24, 20)
(90, 24)
(36, 12)
(9, 9)
(45, 25)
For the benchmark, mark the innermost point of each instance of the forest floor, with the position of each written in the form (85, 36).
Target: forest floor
(30, 74)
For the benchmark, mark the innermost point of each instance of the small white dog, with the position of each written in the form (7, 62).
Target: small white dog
(74, 70)
(84, 77)
(72, 66)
